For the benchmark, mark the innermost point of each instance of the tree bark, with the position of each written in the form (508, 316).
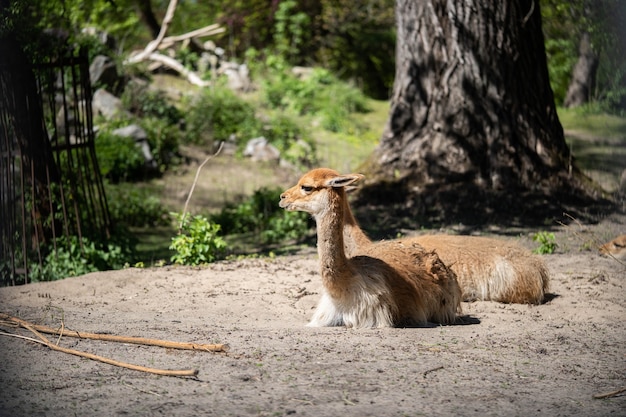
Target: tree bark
(583, 76)
(472, 113)
(147, 17)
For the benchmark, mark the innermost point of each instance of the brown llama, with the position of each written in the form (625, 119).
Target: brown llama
(385, 284)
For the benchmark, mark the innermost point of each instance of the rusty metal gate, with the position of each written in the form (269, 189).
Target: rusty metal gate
(50, 183)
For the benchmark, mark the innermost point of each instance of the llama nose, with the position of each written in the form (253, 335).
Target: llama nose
(282, 196)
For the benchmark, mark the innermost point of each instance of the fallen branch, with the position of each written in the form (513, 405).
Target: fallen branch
(191, 76)
(44, 341)
(210, 30)
(115, 338)
(609, 394)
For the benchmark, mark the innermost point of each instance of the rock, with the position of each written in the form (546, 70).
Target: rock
(259, 149)
(238, 76)
(103, 73)
(106, 104)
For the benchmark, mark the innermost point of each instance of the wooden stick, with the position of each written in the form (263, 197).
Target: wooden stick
(115, 338)
(193, 185)
(610, 394)
(45, 341)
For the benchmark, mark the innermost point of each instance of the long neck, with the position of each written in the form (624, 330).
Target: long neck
(330, 243)
(353, 236)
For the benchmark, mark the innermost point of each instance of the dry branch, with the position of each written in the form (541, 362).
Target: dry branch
(210, 30)
(193, 185)
(119, 339)
(609, 394)
(37, 330)
(152, 46)
(191, 76)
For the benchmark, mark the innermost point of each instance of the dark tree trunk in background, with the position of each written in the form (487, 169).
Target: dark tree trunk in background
(147, 17)
(472, 121)
(583, 76)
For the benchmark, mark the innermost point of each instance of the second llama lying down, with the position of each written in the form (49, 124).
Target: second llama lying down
(384, 284)
(486, 268)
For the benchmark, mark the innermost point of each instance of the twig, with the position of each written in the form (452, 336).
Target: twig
(610, 394)
(115, 338)
(346, 400)
(141, 390)
(193, 186)
(49, 344)
(426, 372)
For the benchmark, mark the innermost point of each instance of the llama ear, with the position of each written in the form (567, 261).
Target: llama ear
(343, 180)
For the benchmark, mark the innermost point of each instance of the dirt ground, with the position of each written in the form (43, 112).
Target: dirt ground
(515, 360)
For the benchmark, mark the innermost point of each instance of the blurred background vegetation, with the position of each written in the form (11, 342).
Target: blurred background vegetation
(333, 116)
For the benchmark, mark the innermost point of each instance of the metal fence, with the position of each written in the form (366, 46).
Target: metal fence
(50, 184)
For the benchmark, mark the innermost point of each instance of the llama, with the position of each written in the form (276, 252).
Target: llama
(383, 285)
(486, 268)
(616, 248)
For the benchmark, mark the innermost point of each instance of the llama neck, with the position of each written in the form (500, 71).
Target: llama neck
(330, 243)
(353, 236)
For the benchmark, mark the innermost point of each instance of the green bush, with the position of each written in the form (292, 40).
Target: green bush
(135, 207)
(217, 113)
(198, 242)
(261, 215)
(119, 158)
(72, 259)
(320, 94)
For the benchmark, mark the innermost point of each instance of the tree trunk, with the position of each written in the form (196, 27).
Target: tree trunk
(147, 17)
(472, 114)
(583, 76)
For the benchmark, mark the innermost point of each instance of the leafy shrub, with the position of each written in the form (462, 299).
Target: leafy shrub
(198, 242)
(164, 139)
(118, 157)
(320, 94)
(216, 114)
(70, 259)
(547, 243)
(135, 207)
(260, 214)
(144, 102)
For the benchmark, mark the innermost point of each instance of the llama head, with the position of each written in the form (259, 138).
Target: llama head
(316, 190)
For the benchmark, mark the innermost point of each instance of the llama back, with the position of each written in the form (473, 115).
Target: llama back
(491, 269)
(424, 289)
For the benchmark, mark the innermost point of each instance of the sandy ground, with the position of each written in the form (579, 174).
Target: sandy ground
(546, 360)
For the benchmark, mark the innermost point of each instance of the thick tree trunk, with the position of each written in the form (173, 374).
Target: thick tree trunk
(472, 112)
(583, 76)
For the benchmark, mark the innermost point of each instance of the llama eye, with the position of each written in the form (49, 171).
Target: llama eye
(306, 188)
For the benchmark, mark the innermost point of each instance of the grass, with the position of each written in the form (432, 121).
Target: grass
(598, 142)
(589, 123)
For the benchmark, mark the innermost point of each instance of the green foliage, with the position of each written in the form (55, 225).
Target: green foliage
(144, 102)
(261, 215)
(135, 207)
(291, 30)
(118, 157)
(217, 113)
(75, 257)
(319, 94)
(547, 242)
(198, 242)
